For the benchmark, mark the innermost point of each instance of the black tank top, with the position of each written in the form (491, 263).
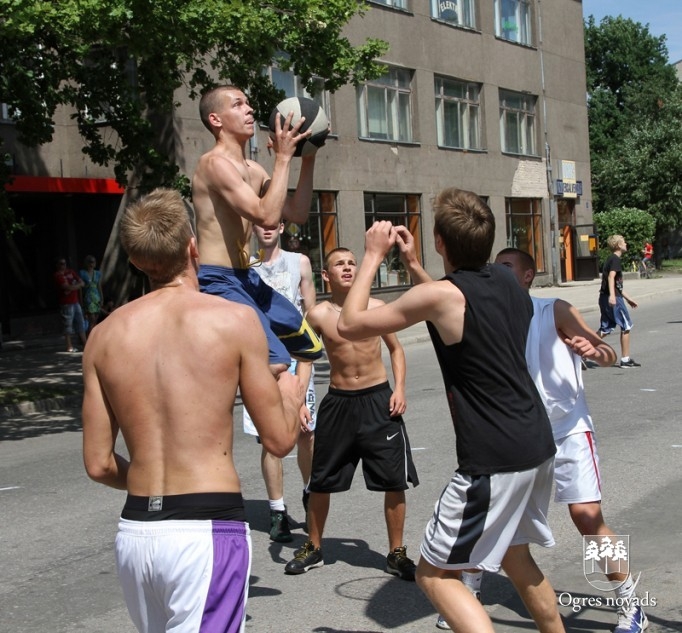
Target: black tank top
(499, 419)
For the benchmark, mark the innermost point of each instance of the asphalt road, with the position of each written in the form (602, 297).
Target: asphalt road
(57, 527)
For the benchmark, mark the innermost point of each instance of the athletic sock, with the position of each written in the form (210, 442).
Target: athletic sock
(472, 580)
(625, 359)
(627, 590)
(276, 505)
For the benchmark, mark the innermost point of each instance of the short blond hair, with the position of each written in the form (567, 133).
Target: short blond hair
(613, 242)
(155, 232)
(467, 227)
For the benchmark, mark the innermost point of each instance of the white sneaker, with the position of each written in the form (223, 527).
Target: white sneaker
(632, 620)
(442, 624)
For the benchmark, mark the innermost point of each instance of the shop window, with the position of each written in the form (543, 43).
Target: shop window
(317, 237)
(524, 228)
(403, 209)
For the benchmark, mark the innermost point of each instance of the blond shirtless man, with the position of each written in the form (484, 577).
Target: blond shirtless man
(164, 371)
(232, 193)
(359, 418)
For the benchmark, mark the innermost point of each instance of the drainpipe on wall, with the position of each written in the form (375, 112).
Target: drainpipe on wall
(553, 223)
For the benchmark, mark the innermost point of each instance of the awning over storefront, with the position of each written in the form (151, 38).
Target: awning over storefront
(48, 184)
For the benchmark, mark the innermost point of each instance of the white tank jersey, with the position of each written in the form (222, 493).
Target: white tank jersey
(284, 275)
(557, 373)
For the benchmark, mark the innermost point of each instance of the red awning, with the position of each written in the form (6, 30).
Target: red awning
(48, 184)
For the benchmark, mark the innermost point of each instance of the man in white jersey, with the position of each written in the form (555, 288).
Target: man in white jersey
(291, 275)
(558, 338)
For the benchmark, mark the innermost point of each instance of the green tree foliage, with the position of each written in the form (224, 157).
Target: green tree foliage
(118, 63)
(635, 225)
(632, 98)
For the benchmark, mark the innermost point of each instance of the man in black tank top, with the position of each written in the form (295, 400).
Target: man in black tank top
(496, 503)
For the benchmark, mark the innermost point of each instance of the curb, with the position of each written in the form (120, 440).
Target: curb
(40, 406)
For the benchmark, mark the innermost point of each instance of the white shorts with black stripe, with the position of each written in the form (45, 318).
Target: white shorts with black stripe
(477, 518)
(576, 469)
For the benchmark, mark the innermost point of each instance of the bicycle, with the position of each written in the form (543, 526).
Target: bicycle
(645, 268)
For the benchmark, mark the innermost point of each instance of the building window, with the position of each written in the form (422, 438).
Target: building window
(384, 109)
(457, 113)
(403, 209)
(524, 228)
(512, 21)
(457, 12)
(398, 4)
(517, 123)
(317, 237)
(8, 114)
(292, 85)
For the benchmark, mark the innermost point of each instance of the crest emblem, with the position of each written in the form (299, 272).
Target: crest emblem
(604, 554)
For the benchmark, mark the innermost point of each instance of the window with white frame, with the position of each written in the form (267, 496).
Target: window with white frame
(7, 113)
(517, 123)
(458, 113)
(512, 21)
(384, 107)
(457, 12)
(293, 86)
(398, 4)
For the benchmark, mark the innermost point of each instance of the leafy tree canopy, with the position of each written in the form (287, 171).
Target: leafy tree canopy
(634, 108)
(117, 63)
(635, 225)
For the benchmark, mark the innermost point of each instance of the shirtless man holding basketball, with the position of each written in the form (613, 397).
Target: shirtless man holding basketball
(232, 193)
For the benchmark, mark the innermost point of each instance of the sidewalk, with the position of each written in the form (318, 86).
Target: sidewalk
(42, 361)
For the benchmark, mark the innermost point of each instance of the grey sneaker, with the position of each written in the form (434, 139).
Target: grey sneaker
(304, 559)
(279, 527)
(398, 564)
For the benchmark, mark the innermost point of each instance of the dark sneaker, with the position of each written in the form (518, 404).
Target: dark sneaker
(443, 625)
(304, 559)
(631, 620)
(279, 526)
(398, 564)
(629, 363)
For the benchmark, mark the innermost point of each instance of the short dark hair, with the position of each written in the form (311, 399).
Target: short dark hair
(210, 101)
(339, 249)
(467, 227)
(525, 259)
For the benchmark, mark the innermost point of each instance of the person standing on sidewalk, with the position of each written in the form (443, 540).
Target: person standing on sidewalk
(612, 298)
(68, 284)
(291, 275)
(359, 418)
(164, 371)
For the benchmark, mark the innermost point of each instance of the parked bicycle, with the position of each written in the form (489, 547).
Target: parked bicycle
(645, 268)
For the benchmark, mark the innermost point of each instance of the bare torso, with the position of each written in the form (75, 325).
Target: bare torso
(353, 364)
(223, 235)
(177, 346)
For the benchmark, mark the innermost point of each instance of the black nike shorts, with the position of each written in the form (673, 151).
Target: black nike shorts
(355, 425)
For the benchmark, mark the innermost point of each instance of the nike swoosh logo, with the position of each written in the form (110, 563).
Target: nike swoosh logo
(390, 437)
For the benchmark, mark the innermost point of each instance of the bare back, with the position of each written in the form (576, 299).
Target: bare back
(353, 364)
(166, 367)
(223, 234)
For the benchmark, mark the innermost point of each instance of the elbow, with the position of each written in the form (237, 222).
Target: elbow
(98, 472)
(282, 448)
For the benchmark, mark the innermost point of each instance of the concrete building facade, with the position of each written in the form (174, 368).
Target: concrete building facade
(484, 95)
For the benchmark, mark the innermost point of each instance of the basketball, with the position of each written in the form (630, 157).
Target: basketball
(315, 120)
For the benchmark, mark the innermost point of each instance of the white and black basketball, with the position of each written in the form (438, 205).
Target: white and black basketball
(315, 120)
